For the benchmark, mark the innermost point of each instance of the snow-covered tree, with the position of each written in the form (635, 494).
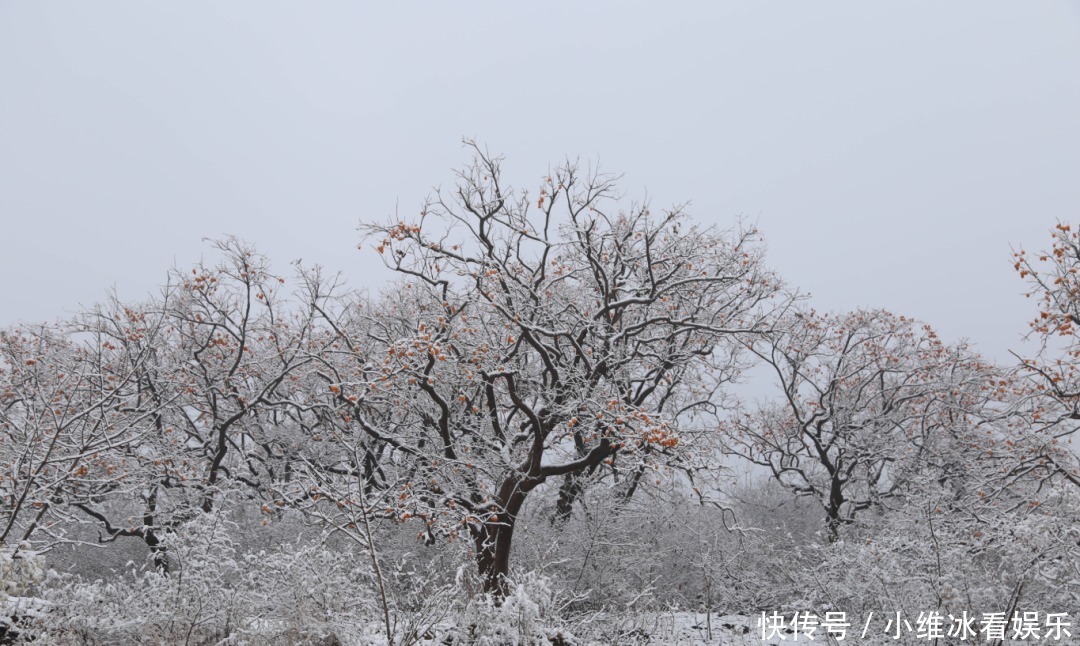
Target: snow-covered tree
(133, 418)
(71, 408)
(868, 400)
(1053, 278)
(539, 337)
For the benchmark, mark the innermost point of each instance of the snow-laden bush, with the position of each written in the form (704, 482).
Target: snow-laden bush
(1022, 559)
(213, 593)
(527, 616)
(21, 569)
(664, 549)
(321, 591)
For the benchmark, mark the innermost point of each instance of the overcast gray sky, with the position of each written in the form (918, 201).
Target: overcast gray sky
(890, 151)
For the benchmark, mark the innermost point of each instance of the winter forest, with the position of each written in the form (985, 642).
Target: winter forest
(605, 323)
(539, 433)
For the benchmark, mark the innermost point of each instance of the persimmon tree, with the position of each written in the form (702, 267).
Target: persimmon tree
(223, 402)
(1053, 278)
(70, 406)
(535, 337)
(868, 400)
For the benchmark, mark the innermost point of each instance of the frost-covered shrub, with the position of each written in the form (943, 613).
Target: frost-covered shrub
(664, 549)
(527, 616)
(1042, 550)
(213, 593)
(321, 591)
(21, 569)
(924, 558)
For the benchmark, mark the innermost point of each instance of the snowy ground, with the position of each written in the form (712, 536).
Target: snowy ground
(602, 629)
(694, 629)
